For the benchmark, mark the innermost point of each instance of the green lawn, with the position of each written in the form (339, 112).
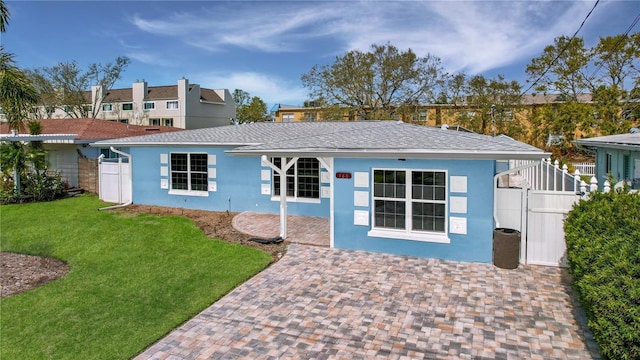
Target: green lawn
(132, 279)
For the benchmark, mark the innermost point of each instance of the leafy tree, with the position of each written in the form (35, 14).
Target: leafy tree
(454, 90)
(375, 84)
(65, 85)
(616, 56)
(17, 94)
(492, 104)
(249, 109)
(567, 68)
(18, 160)
(4, 16)
(615, 107)
(607, 114)
(562, 68)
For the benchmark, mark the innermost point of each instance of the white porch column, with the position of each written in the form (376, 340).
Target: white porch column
(327, 163)
(283, 189)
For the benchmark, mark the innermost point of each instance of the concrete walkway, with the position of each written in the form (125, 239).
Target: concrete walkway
(321, 303)
(300, 229)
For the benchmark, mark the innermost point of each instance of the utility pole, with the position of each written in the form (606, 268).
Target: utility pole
(493, 120)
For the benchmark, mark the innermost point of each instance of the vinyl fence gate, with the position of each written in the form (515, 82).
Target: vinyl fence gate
(115, 180)
(534, 198)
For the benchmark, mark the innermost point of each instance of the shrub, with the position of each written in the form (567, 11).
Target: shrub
(43, 186)
(603, 249)
(35, 187)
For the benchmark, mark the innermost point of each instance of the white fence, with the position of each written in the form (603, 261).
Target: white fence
(549, 176)
(534, 198)
(115, 181)
(585, 168)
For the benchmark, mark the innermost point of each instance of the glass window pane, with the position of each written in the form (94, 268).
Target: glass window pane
(198, 182)
(389, 214)
(199, 162)
(178, 162)
(308, 178)
(417, 192)
(179, 181)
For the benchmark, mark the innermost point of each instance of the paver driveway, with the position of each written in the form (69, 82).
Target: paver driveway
(327, 303)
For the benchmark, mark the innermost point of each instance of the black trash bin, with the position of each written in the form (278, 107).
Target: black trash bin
(506, 248)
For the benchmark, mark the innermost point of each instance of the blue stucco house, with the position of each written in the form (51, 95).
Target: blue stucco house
(386, 186)
(616, 155)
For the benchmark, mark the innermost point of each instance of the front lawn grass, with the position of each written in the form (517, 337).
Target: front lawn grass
(132, 279)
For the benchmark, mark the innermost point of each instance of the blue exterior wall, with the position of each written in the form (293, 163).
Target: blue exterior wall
(238, 184)
(618, 159)
(476, 245)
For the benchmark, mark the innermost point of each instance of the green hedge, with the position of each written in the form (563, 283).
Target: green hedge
(603, 249)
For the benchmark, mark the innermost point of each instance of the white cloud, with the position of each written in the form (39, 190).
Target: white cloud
(474, 36)
(150, 59)
(270, 89)
(268, 27)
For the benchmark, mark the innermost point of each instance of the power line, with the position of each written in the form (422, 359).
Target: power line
(618, 43)
(561, 51)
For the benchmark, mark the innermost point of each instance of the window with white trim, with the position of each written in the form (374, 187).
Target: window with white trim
(172, 105)
(149, 105)
(287, 117)
(189, 171)
(107, 107)
(411, 200)
(303, 178)
(127, 106)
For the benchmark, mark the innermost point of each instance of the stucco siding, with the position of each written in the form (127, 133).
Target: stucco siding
(617, 165)
(475, 245)
(237, 180)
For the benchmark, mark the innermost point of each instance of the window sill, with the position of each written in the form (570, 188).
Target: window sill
(297, 200)
(403, 235)
(189, 193)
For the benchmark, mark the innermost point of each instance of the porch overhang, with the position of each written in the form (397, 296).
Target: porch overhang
(326, 163)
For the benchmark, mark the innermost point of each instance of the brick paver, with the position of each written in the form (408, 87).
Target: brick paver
(321, 303)
(300, 229)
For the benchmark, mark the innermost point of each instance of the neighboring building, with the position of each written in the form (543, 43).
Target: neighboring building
(425, 114)
(617, 156)
(67, 141)
(185, 106)
(386, 186)
(451, 114)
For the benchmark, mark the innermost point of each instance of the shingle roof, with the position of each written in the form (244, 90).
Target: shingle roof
(154, 93)
(362, 137)
(630, 140)
(94, 129)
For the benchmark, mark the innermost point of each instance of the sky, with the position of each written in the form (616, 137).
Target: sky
(264, 47)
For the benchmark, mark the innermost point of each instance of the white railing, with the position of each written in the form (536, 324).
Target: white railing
(585, 168)
(547, 175)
